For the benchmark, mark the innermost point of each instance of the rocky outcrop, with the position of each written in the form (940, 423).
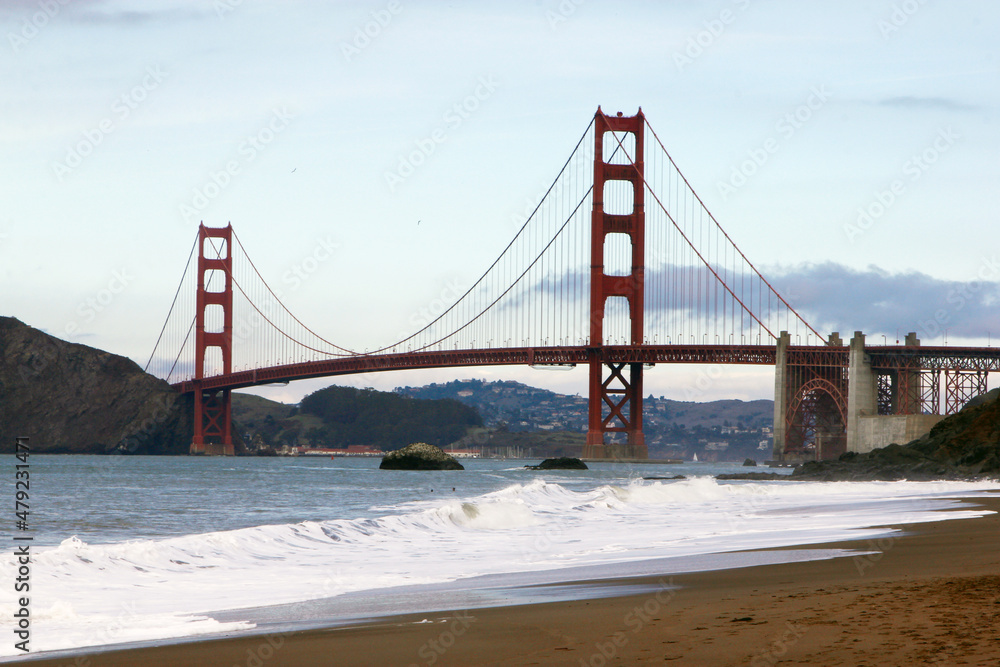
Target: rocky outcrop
(419, 456)
(71, 398)
(561, 463)
(965, 445)
(749, 463)
(969, 439)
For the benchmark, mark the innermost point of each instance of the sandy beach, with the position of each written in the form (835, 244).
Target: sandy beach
(928, 597)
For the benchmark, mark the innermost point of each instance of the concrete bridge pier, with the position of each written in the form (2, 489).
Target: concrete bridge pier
(781, 397)
(862, 392)
(887, 402)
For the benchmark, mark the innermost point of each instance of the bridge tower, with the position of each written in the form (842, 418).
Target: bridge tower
(213, 409)
(621, 388)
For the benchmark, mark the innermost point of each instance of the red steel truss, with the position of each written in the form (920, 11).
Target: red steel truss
(961, 386)
(911, 379)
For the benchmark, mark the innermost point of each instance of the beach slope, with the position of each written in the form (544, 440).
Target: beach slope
(929, 594)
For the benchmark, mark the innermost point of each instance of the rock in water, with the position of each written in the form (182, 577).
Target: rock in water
(750, 462)
(561, 463)
(420, 456)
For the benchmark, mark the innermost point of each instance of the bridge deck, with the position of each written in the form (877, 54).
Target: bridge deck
(961, 358)
(522, 356)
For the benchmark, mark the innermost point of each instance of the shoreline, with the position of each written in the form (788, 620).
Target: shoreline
(931, 592)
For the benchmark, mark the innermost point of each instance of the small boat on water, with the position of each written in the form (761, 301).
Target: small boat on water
(695, 459)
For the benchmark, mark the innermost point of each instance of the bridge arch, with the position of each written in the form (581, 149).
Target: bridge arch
(816, 420)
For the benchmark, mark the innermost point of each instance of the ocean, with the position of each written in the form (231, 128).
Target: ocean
(132, 549)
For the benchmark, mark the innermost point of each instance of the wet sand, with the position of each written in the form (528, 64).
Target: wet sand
(929, 597)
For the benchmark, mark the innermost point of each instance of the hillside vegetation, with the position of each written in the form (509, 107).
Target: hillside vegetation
(339, 417)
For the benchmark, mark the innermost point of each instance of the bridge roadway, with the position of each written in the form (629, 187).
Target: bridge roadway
(965, 358)
(517, 356)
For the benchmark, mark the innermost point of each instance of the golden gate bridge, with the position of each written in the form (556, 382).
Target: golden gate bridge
(621, 266)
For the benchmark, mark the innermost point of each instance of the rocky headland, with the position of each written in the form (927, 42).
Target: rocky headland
(964, 446)
(71, 398)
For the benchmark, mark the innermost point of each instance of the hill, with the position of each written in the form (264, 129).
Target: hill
(728, 430)
(338, 417)
(386, 420)
(969, 439)
(71, 398)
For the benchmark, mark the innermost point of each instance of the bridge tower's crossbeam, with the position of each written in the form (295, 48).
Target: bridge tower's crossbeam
(213, 409)
(616, 398)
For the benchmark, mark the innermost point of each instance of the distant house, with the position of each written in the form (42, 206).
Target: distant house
(463, 453)
(353, 450)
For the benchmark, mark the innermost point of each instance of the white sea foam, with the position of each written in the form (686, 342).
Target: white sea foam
(87, 594)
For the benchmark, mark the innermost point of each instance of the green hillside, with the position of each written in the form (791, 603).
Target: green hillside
(338, 417)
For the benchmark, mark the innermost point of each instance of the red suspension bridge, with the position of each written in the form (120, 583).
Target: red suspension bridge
(620, 266)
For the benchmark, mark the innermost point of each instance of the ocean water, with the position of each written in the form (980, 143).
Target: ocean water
(131, 549)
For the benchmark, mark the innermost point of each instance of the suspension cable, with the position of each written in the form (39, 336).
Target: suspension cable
(285, 308)
(173, 303)
(712, 218)
(495, 262)
(518, 279)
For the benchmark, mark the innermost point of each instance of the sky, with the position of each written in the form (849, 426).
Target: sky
(850, 149)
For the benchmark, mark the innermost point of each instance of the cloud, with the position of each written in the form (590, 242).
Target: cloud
(97, 12)
(931, 103)
(135, 17)
(833, 297)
